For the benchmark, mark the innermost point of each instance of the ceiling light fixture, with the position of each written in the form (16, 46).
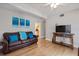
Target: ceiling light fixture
(54, 5)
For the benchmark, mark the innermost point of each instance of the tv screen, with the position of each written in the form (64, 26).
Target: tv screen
(63, 28)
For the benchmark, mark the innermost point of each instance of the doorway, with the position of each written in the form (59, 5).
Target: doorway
(38, 29)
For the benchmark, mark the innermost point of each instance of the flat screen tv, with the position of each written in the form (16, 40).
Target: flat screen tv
(63, 28)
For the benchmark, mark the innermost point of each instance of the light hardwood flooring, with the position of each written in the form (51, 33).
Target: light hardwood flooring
(44, 48)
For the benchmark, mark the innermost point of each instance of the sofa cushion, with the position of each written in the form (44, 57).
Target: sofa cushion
(24, 41)
(15, 43)
(13, 38)
(23, 35)
(30, 35)
(32, 39)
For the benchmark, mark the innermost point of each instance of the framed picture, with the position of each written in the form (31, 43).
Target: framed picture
(15, 21)
(27, 22)
(22, 22)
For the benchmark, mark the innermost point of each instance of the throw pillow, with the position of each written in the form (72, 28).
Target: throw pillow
(13, 38)
(23, 35)
(30, 35)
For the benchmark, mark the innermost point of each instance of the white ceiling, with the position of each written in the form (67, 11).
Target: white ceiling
(47, 10)
(41, 9)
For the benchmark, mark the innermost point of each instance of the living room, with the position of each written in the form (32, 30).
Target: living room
(19, 19)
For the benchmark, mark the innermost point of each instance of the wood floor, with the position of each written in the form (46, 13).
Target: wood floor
(44, 48)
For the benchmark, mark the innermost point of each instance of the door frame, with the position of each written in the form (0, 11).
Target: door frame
(38, 24)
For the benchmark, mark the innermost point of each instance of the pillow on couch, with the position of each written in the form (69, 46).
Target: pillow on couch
(13, 38)
(23, 35)
(30, 35)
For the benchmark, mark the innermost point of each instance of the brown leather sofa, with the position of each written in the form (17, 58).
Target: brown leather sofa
(8, 47)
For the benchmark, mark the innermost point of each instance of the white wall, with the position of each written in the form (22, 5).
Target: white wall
(43, 32)
(6, 21)
(71, 17)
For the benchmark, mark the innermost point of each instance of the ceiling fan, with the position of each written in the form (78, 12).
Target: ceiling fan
(53, 5)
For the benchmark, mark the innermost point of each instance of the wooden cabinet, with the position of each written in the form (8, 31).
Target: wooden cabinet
(65, 35)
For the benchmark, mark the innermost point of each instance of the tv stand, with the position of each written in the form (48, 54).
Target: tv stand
(65, 35)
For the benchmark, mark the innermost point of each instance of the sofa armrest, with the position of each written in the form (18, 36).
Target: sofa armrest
(35, 36)
(5, 45)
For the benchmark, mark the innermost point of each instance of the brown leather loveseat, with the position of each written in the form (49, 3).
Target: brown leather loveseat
(8, 47)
